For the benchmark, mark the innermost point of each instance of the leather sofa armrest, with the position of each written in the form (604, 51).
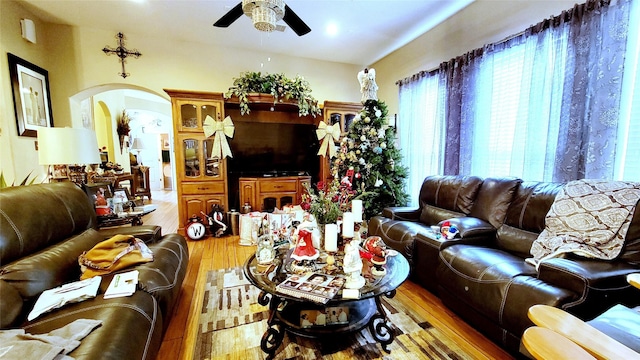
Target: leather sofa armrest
(471, 227)
(148, 233)
(581, 275)
(402, 213)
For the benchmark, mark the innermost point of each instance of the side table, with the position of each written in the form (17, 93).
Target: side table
(135, 219)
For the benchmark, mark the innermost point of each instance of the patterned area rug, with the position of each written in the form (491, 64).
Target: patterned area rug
(232, 323)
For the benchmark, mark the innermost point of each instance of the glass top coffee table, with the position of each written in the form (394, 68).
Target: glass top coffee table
(286, 313)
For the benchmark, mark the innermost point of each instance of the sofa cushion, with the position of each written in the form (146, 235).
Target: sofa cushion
(163, 276)
(493, 200)
(397, 234)
(26, 226)
(49, 267)
(443, 197)
(480, 273)
(471, 227)
(525, 217)
(10, 305)
(131, 326)
(631, 250)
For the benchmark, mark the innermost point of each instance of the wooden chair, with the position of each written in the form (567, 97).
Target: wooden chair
(622, 325)
(543, 344)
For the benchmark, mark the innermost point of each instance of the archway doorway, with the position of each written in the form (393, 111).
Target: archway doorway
(100, 107)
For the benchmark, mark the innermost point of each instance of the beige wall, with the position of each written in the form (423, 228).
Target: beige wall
(76, 63)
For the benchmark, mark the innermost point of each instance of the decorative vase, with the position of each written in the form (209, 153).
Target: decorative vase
(121, 138)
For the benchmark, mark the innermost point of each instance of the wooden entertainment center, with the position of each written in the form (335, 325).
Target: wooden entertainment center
(203, 180)
(265, 193)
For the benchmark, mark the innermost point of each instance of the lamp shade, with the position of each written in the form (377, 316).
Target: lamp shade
(66, 146)
(137, 144)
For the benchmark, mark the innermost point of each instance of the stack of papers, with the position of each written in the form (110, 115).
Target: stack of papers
(65, 294)
(123, 284)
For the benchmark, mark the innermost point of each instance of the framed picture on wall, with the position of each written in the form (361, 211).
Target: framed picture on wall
(31, 100)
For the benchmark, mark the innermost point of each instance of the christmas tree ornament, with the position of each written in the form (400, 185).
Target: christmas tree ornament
(328, 134)
(368, 86)
(221, 130)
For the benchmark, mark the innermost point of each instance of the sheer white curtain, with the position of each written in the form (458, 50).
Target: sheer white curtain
(420, 129)
(628, 147)
(516, 108)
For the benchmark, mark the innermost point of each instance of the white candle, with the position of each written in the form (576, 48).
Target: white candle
(356, 209)
(331, 237)
(347, 225)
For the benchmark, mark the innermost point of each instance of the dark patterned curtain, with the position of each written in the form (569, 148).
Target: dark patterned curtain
(580, 55)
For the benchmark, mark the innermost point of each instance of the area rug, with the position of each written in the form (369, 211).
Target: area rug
(232, 323)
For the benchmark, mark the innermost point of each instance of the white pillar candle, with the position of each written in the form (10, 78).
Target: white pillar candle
(356, 209)
(331, 237)
(347, 225)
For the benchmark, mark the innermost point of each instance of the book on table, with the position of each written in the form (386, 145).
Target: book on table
(317, 287)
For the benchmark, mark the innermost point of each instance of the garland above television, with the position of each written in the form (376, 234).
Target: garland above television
(277, 85)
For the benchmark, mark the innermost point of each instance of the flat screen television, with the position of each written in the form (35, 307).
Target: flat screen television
(271, 149)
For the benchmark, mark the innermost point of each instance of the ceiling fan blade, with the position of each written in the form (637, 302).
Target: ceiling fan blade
(228, 18)
(294, 22)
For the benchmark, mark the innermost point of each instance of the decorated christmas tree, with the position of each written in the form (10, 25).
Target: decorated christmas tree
(368, 157)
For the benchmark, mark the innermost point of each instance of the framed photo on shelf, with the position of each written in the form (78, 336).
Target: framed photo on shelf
(31, 99)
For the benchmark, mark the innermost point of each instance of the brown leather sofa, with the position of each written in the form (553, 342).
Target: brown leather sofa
(43, 230)
(482, 274)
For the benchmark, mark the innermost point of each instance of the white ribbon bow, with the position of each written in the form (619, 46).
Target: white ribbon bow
(328, 134)
(221, 129)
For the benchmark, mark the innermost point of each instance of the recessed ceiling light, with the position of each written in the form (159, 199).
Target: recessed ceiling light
(332, 29)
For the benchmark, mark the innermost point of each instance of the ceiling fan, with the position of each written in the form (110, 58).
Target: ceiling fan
(265, 14)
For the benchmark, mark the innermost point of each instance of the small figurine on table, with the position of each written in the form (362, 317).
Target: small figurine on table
(304, 253)
(352, 266)
(378, 252)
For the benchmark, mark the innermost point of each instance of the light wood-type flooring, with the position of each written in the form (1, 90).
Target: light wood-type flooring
(216, 253)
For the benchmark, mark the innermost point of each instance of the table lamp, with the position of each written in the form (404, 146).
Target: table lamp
(137, 145)
(68, 146)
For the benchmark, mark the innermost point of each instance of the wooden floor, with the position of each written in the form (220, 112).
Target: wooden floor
(216, 253)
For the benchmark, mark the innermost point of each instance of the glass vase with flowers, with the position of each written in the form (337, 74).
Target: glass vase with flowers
(328, 201)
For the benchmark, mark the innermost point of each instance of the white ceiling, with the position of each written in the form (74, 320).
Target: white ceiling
(368, 30)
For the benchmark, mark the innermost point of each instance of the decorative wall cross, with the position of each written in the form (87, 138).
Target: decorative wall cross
(122, 53)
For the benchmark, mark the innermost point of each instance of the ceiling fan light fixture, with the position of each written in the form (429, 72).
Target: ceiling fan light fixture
(264, 13)
(264, 19)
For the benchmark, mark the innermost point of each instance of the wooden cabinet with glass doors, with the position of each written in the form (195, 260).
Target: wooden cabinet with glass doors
(201, 177)
(335, 112)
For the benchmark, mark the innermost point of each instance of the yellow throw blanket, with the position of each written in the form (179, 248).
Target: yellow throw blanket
(589, 218)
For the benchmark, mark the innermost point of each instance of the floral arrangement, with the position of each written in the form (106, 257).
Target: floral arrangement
(277, 85)
(329, 202)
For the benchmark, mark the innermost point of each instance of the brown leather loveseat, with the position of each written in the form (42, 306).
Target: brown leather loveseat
(43, 230)
(482, 274)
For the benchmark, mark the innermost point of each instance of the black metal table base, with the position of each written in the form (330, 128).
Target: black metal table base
(373, 316)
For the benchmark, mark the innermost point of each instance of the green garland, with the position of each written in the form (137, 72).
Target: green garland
(277, 85)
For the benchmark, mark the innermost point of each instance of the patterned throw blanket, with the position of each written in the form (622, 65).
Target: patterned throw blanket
(589, 218)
